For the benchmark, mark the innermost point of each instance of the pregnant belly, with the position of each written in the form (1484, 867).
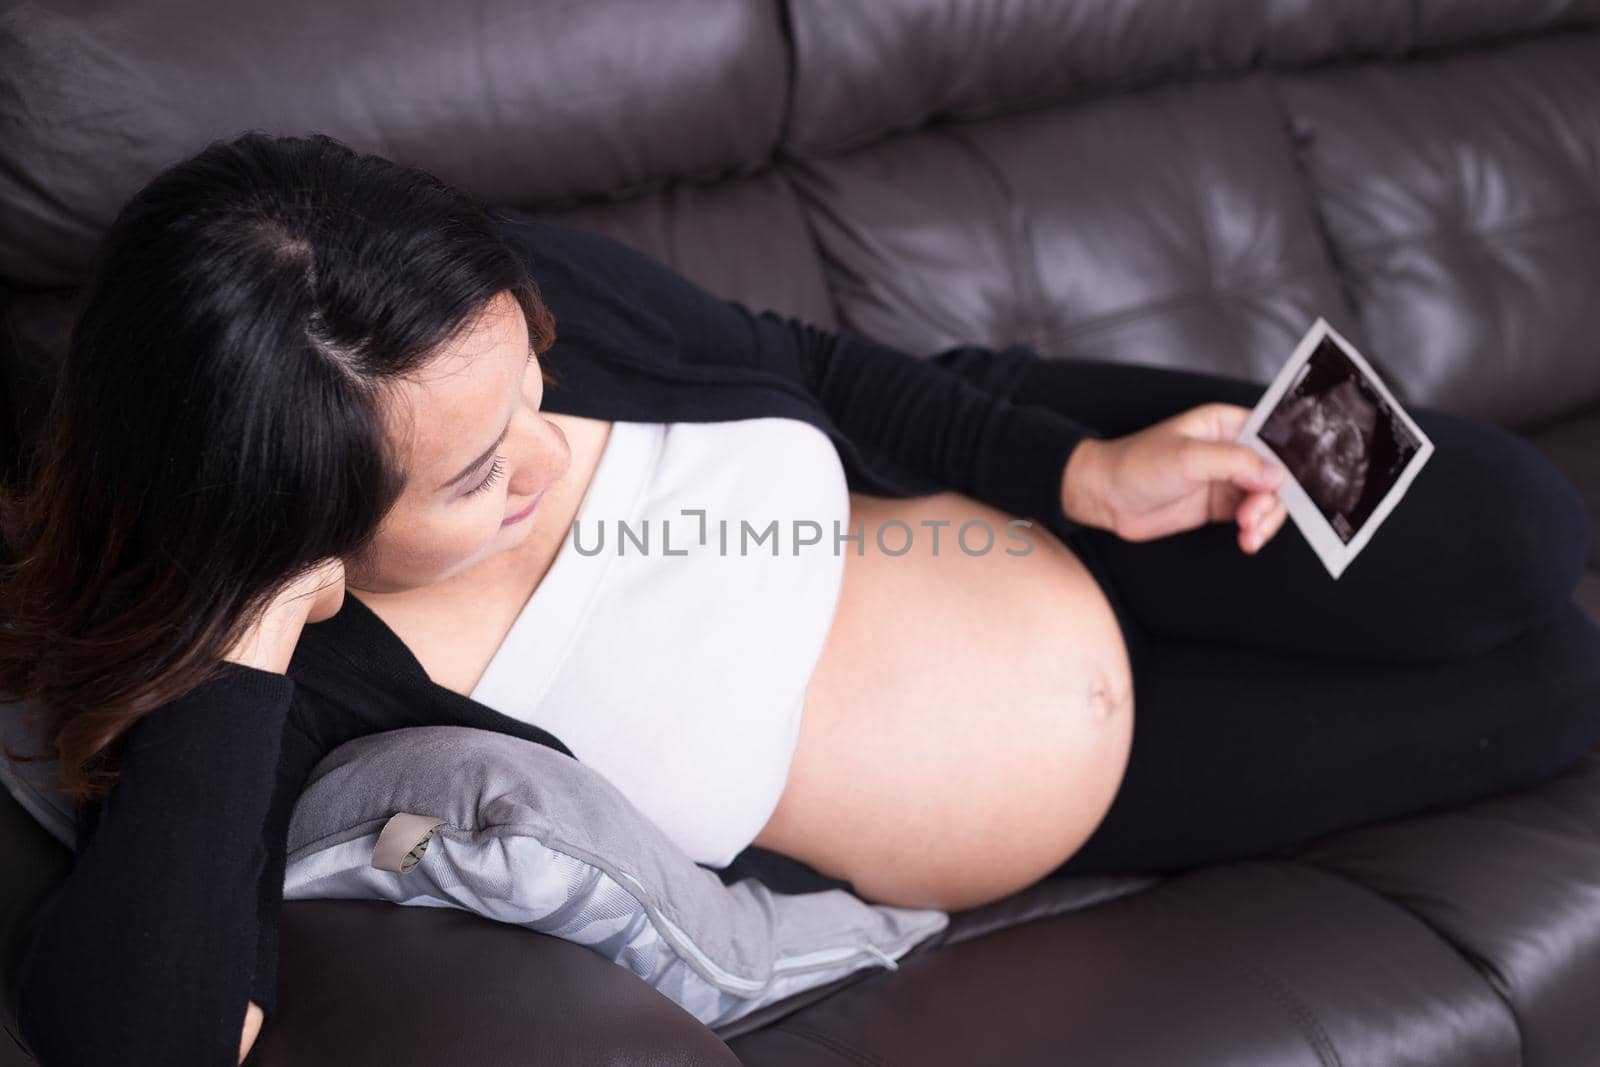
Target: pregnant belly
(970, 716)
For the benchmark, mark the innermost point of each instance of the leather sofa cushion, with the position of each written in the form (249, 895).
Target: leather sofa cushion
(1526, 920)
(1466, 937)
(1458, 195)
(1168, 226)
(745, 239)
(368, 984)
(1238, 963)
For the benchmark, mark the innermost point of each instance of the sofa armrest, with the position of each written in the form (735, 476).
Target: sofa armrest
(371, 982)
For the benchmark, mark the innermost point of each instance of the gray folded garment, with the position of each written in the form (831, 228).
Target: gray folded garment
(450, 816)
(33, 784)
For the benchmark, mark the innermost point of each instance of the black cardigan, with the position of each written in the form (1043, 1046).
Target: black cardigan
(168, 922)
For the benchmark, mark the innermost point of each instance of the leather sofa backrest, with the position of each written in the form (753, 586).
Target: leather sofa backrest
(1135, 180)
(863, 71)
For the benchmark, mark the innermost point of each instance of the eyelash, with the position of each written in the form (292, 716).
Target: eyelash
(494, 473)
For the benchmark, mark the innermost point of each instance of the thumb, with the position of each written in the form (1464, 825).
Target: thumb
(1227, 460)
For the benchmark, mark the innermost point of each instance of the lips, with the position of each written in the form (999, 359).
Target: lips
(525, 512)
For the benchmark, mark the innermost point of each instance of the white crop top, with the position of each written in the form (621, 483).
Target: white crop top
(678, 667)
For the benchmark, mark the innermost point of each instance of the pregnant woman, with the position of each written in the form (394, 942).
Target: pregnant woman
(323, 437)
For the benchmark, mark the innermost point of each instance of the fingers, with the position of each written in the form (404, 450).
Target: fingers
(1260, 517)
(1226, 500)
(1230, 418)
(1226, 460)
(1214, 420)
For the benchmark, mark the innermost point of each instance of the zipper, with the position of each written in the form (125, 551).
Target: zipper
(789, 964)
(839, 953)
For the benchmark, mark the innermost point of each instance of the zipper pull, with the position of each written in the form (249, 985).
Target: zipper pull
(883, 957)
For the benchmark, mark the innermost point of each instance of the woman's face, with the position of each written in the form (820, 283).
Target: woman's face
(465, 479)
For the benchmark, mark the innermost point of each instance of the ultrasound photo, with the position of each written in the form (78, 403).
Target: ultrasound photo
(1350, 449)
(1339, 438)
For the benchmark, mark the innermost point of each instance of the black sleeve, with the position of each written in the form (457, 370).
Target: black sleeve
(933, 421)
(947, 417)
(148, 952)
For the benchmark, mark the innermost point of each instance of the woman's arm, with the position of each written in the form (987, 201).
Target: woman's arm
(164, 935)
(618, 305)
(148, 952)
(937, 423)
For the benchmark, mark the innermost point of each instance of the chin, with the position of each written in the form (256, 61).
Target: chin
(508, 537)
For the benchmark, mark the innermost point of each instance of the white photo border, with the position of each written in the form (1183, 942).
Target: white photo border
(1335, 554)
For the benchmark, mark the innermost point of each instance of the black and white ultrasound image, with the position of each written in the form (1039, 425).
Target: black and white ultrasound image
(1339, 438)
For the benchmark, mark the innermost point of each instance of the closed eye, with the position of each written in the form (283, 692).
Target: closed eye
(494, 473)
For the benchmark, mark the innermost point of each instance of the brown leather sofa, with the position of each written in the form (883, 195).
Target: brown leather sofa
(1186, 184)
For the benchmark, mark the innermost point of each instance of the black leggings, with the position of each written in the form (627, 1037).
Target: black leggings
(1273, 704)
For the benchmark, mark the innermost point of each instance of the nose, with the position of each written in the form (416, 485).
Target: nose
(543, 458)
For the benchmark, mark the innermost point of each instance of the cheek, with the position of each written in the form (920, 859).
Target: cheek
(431, 549)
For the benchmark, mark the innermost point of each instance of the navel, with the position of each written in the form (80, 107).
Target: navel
(1100, 702)
(1108, 702)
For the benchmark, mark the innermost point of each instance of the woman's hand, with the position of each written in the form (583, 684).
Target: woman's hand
(1173, 476)
(253, 1017)
(314, 595)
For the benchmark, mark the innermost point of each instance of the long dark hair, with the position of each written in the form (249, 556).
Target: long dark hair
(216, 427)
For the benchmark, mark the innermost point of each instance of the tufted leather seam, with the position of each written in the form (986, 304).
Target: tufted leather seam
(1333, 256)
(1302, 1014)
(1195, 296)
(1023, 247)
(791, 57)
(1448, 233)
(1478, 963)
(834, 1045)
(800, 174)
